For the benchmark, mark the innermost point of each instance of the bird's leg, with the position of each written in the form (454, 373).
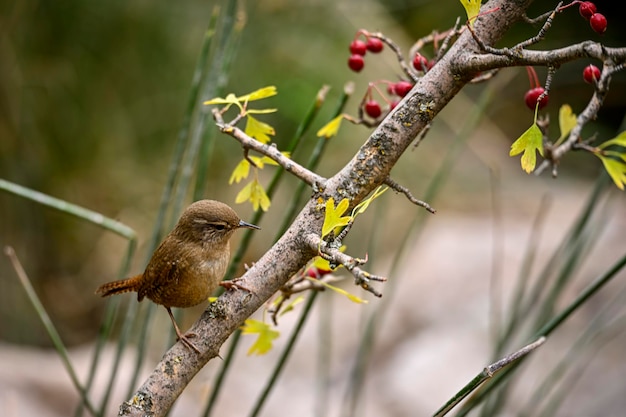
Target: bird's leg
(183, 338)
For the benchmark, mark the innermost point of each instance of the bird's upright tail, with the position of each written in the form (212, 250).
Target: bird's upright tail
(119, 287)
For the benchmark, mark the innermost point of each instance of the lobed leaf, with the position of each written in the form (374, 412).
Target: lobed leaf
(619, 140)
(266, 336)
(331, 128)
(255, 193)
(615, 168)
(259, 94)
(259, 130)
(530, 141)
(241, 172)
(472, 8)
(333, 216)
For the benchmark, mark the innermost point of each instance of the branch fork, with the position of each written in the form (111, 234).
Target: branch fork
(332, 254)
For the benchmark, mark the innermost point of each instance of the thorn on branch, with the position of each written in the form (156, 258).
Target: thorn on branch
(401, 189)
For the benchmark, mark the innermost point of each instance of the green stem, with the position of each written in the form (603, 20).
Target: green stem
(285, 355)
(71, 209)
(49, 326)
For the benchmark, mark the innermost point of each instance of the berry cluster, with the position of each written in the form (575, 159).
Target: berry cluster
(395, 91)
(359, 48)
(597, 21)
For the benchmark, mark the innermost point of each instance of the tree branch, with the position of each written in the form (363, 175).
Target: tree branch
(368, 169)
(271, 151)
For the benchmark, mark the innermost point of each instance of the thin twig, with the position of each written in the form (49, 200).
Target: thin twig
(401, 189)
(271, 151)
(487, 373)
(362, 278)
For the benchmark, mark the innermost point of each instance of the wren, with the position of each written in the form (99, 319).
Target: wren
(190, 262)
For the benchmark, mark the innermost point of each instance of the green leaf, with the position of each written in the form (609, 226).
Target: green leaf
(333, 215)
(241, 172)
(619, 140)
(616, 169)
(529, 142)
(331, 128)
(567, 121)
(266, 336)
(338, 290)
(259, 130)
(472, 8)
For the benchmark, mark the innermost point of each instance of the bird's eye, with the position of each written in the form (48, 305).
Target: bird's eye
(219, 226)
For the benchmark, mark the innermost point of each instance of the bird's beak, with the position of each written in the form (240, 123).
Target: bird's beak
(248, 225)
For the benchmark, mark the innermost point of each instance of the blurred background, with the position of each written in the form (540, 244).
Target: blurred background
(93, 94)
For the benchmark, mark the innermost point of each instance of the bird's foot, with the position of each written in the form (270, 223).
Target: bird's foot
(185, 339)
(229, 285)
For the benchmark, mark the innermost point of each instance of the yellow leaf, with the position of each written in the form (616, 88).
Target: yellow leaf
(292, 304)
(244, 194)
(363, 205)
(472, 8)
(567, 121)
(338, 290)
(258, 161)
(254, 193)
(261, 111)
(331, 128)
(240, 172)
(614, 167)
(530, 141)
(619, 140)
(259, 130)
(269, 161)
(322, 264)
(259, 94)
(229, 100)
(266, 336)
(332, 216)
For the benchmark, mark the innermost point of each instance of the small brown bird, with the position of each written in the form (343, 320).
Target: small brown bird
(190, 262)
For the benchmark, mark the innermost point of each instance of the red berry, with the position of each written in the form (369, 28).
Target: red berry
(531, 97)
(358, 47)
(591, 74)
(393, 104)
(598, 22)
(356, 62)
(401, 88)
(372, 108)
(420, 62)
(587, 9)
(374, 45)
